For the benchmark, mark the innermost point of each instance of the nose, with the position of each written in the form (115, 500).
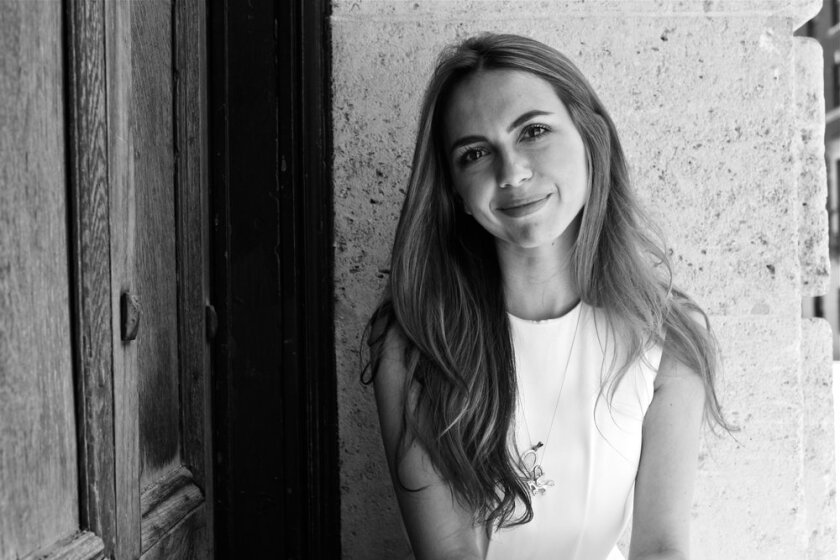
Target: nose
(512, 169)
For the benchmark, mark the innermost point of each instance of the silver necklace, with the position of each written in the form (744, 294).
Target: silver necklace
(530, 462)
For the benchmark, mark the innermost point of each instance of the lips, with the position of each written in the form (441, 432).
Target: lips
(520, 208)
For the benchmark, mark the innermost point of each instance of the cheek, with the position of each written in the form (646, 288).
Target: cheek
(580, 172)
(471, 193)
(462, 199)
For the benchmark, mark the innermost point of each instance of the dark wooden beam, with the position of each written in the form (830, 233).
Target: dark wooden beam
(274, 391)
(318, 375)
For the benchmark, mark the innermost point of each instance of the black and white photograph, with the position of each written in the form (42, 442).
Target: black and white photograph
(419, 279)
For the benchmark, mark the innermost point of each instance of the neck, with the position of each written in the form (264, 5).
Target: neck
(538, 282)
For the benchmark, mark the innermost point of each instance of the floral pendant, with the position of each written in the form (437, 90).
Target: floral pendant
(535, 477)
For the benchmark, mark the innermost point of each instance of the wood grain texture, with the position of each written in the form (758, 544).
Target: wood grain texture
(83, 545)
(155, 265)
(186, 541)
(38, 478)
(193, 236)
(166, 503)
(91, 265)
(123, 218)
(190, 28)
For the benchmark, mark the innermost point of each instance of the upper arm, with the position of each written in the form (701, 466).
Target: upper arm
(437, 525)
(668, 464)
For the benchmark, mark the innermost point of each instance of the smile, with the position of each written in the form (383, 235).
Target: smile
(520, 209)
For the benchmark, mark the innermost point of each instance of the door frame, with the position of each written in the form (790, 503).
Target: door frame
(274, 390)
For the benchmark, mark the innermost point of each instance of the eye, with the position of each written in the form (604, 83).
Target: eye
(471, 155)
(534, 131)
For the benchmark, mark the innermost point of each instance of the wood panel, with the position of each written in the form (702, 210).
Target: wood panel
(38, 478)
(83, 545)
(91, 247)
(155, 265)
(193, 237)
(187, 541)
(191, 133)
(166, 504)
(127, 231)
(123, 218)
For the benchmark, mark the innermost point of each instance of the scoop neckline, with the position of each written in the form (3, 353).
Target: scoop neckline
(550, 320)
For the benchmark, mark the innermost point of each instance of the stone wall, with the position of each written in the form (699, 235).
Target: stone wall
(720, 111)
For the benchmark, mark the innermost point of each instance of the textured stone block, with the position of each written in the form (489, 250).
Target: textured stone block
(813, 218)
(799, 11)
(748, 499)
(819, 482)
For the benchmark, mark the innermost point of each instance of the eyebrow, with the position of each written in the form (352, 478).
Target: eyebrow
(523, 118)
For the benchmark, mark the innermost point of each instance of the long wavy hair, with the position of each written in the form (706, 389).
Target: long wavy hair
(445, 302)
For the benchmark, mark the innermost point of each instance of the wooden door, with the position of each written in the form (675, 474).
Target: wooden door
(105, 436)
(39, 483)
(104, 427)
(159, 279)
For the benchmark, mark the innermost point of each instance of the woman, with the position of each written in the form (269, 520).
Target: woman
(536, 374)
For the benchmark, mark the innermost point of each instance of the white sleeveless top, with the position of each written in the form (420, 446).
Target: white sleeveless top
(591, 453)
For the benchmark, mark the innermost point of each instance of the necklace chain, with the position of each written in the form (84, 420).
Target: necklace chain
(535, 474)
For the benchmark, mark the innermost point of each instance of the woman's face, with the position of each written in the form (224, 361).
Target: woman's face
(516, 158)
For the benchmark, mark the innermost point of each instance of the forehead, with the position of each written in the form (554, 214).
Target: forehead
(493, 96)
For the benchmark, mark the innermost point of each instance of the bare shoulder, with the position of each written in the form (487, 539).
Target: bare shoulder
(675, 374)
(392, 391)
(668, 463)
(438, 526)
(391, 373)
